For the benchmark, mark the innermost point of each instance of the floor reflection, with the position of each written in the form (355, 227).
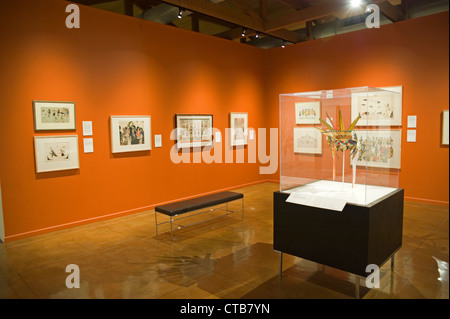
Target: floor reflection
(226, 258)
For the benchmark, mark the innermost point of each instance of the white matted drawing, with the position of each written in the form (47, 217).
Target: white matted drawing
(378, 108)
(53, 115)
(307, 140)
(379, 148)
(238, 128)
(307, 112)
(445, 127)
(131, 133)
(55, 153)
(194, 130)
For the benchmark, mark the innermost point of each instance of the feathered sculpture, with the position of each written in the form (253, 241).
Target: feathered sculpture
(340, 140)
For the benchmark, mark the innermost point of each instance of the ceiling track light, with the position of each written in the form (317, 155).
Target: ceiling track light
(244, 30)
(283, 45)
(180, 13)
(257, 35)
(355, 3)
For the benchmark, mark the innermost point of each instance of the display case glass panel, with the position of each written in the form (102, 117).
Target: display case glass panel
(340, 146)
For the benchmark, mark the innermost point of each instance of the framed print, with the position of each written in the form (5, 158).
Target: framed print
(238, 129)
(131, 133)
(307, 140)
(379, 148)
(56, 153)
(383, 108)
(307, 112)
(445, 127)
(53, 115)
(194, 130)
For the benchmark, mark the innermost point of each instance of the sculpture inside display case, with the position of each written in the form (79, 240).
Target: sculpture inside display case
(358, 220)
(341, 140)
(310, 174)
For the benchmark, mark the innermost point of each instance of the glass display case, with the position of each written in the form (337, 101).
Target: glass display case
(340, 156)
(340, 146)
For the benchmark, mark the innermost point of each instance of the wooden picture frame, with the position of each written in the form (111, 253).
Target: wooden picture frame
(307, 140)
(131, 133)
(50, 115)
(56, 153)
(238, 128)
(194, 130)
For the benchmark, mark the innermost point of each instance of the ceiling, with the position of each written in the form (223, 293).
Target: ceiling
(268, 23)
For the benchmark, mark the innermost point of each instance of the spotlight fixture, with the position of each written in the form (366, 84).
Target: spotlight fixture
(244, 30)
(283, 45)
(355, 3)
(180, 13)
(257, 35)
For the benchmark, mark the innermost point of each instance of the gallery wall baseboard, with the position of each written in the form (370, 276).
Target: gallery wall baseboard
(50, 229)
(426, 201)
(2, 228)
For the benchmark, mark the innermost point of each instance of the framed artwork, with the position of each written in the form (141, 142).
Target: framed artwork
(131, 133)
(383, 108)
(307, 112)
(307, 140)
(379, 148)
(445, 127)
(238, 128)
(194, 130)
(53, 115)
(56, 153)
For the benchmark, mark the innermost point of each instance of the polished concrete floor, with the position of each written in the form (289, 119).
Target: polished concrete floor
(225, 258)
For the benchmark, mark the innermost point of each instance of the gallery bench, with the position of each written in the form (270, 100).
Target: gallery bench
(185, 206)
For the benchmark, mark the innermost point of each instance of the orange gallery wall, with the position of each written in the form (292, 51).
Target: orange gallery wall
(113, 65)
(414, 54)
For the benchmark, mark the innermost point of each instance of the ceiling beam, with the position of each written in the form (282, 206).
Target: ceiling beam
(296, 4)
(234, 16)
(392, 12)
(89, 2)
(128, 7)
(217, 11)
(405, 8)
(241, 4)
(306, 14)
(313, 12)
(263, 9)
(195, 22)
(234, 34)
(210, 19)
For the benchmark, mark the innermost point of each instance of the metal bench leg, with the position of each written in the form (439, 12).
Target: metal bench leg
(242, 207)
(281, 264)
(392, 262)
(171, 231)
(356, 287)
(156, 224)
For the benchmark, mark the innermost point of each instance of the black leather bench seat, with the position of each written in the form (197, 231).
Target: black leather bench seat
(189, 205)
